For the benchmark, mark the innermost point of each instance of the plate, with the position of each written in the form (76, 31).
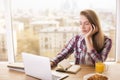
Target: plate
(91, 74)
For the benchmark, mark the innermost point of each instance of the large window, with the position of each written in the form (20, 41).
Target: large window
(43, 27)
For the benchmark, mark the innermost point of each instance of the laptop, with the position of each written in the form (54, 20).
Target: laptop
(39, 67)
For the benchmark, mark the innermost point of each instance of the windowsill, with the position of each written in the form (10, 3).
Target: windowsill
(3, 62)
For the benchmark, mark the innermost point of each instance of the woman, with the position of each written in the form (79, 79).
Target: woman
(90, 46)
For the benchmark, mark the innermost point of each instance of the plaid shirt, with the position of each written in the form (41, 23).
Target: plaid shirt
(77, 46)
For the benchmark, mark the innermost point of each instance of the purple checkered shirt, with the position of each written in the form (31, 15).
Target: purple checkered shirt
(77, 46)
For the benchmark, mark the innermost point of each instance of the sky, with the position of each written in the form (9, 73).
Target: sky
(56, 4)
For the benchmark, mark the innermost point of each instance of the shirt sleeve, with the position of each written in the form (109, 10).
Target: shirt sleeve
(103, 54)
(68, 49)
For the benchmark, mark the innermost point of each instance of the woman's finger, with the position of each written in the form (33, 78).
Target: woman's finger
(95, 29)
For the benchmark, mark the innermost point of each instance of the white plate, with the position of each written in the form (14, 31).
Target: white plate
(91, 74)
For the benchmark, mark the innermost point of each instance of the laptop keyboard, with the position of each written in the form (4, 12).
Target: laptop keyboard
(58, 75)
(54, 77)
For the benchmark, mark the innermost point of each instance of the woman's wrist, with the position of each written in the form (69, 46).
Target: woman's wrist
(88, 38)
(89, 43)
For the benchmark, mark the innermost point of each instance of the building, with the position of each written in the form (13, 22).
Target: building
(53, 39)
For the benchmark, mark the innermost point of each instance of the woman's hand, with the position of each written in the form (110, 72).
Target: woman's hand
(88, 38)
(52, 64)
(92, 31)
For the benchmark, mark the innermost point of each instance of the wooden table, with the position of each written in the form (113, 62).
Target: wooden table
(113, 73)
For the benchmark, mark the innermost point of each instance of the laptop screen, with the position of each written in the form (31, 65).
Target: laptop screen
(37, 66)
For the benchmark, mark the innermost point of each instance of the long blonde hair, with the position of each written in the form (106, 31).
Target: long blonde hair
(98, 38)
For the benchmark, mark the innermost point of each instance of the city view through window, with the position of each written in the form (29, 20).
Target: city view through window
(44, 27)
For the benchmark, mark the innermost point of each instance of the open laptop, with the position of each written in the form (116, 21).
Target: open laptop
(39, 67)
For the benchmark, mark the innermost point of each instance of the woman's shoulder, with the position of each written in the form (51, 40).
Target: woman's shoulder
(78, 37)
(107, 38)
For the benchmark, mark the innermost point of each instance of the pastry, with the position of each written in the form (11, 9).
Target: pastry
(97, 77)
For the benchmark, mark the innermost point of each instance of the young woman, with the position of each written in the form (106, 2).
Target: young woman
(90, 46)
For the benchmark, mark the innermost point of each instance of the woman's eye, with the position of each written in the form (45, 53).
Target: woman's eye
(86, 23)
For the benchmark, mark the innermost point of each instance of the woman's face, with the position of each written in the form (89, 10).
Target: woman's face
(85, 25)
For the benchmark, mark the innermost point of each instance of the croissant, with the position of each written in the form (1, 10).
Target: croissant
(97, 77)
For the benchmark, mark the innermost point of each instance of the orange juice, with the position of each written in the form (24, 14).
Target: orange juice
(99, 67)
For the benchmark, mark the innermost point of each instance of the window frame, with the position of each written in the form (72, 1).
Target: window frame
(117, 31)
(9, 33)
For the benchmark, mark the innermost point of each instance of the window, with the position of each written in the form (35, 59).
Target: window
(34, 21)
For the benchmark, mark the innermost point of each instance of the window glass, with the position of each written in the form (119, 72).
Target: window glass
(3, 53)
(43, 27)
